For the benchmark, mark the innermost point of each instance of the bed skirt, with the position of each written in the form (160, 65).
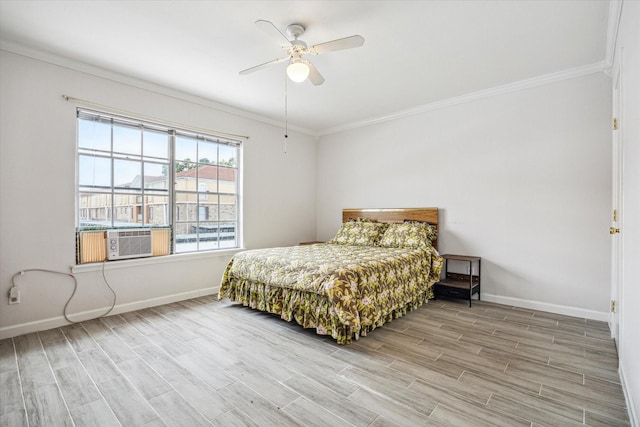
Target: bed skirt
(311, 310)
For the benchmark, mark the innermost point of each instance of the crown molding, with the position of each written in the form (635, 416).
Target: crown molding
(48, 57)
(545, 79)
(104, 73)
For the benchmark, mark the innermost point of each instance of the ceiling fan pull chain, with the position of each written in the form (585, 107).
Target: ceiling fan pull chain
(286, 119)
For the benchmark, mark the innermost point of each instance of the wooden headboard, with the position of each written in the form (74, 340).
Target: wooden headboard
(429, 215)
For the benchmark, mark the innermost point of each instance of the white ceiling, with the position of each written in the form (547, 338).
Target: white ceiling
(415, 52)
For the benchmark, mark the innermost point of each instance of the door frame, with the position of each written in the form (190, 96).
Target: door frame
(616, 207)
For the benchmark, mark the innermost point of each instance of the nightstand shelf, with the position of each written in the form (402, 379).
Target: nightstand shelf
(457, 285)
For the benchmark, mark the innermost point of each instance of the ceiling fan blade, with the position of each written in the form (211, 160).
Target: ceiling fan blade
(272, 31)
(261, 66)
(314, 75)
(339, 44)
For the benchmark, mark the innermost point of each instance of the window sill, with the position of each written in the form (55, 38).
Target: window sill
(111, 265)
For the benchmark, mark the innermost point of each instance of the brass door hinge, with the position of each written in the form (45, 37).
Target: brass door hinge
(615, 123)
(614, 230)
(613, 306)
(615, 215)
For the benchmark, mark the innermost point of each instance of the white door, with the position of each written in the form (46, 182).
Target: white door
(616, 212)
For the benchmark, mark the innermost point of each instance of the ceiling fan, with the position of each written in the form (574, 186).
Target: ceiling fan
(299, 69)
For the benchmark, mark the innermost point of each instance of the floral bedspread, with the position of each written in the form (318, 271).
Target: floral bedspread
(344, 291)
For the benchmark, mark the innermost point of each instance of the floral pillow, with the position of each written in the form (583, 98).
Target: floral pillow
(408, 235)
(359, 233)
(432, 230)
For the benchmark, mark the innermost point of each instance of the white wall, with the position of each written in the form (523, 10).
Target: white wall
(628, 59)
(522, 180)
(37, 193)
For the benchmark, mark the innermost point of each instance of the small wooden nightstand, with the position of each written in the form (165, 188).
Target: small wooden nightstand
(458, 285)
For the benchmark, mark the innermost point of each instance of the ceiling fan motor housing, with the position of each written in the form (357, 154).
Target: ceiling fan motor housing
(298, 47)
(295, 30)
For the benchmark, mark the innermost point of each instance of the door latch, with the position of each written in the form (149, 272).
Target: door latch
(614, 230)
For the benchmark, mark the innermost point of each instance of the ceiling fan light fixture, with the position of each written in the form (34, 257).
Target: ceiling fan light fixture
(298, 70)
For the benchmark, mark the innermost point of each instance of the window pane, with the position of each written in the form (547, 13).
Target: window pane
(208, 178)
(228, 209)
(203, 213)
(208, 235)
(202, 191)
(157, 210)
(127, 140)
(127, 174)
(211, 204)
(186, 207)
(94, 135)
(156, 144)
(207, 152)
(186, 149)
(228, 234)
(127, 209)
(156, 176)
(185, 176)
(94, 171)
(228, 155)
(94, 209)
(186, 237)
(227, 181)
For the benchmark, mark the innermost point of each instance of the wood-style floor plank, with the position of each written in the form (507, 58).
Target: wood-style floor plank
(10, 392)
(14, 419)
(146, 380)
(199, 394)
(97, 413)
(258, 408)
(45, 407)
(308, 413)
(33, 365)
(77, 387)
(335, 403)
(7, 356)
(388, 408)
(208, 362)
(127, 404)
(174, 410)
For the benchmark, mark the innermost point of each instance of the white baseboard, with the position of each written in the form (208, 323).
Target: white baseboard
(56, 322)
(633, 416)
(551, 308)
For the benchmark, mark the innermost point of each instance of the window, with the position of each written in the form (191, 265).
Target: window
(202, 190)
(203, 213)
(138, 174)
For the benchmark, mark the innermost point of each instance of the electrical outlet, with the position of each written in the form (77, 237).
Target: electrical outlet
(14, 295)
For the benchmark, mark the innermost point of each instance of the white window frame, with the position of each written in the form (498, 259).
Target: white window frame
(206, 237)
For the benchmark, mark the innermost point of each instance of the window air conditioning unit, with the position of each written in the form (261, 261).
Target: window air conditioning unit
(93, 245)
(129, 243)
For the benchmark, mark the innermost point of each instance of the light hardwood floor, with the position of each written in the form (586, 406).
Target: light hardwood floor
(204, 362)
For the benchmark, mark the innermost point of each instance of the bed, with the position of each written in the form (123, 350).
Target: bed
(381, 264)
